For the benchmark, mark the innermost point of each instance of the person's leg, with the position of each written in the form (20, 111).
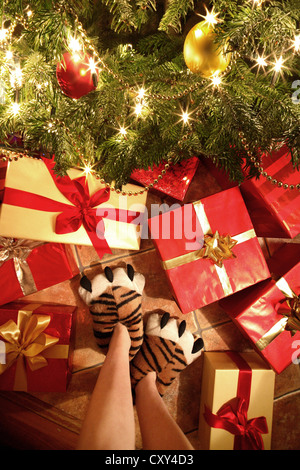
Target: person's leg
(109, 423)
(167, 349)
(158, 429)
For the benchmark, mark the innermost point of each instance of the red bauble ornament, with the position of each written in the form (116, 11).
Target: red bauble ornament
(75, 75)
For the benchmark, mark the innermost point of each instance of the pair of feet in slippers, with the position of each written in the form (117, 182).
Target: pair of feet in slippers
(165, 347)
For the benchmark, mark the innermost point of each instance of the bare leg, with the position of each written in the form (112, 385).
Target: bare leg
(109, 423)
(158, 428)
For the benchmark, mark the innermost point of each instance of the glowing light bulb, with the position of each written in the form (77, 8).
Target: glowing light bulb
(122, 131)
(211, 17)
(15, 107)
(296, 43)
(29, 13)
(261, 61)
(87, 170)
(278, 64)
(141, 93)
(138, 109)
(216, 80)
(74, 45)
(92, 65)
(185, 117)
(9, 55)
(3, 34)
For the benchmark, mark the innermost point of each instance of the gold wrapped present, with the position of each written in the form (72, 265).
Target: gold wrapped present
(75, 209)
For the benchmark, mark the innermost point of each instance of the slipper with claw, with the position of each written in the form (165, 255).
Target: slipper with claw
(115, 296)
(168, 348)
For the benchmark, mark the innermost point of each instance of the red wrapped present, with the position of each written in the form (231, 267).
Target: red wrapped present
(174, 183)
(208, 249)
(27, 267)
(269, 316)
(37, 342)
(274, 211)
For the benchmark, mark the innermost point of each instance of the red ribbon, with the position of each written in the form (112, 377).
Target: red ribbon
(83, 211)
(232, 416)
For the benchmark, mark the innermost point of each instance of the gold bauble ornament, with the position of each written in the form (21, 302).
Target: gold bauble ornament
(201, 54)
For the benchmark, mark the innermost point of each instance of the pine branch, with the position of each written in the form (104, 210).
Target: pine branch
(176, 12)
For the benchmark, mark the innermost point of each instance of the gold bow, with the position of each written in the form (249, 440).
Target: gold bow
(26, 342)
(18, 251)
(289, 308)
(218, 248)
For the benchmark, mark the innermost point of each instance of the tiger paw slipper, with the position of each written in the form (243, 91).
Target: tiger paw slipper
(112, 297)
(168, 348)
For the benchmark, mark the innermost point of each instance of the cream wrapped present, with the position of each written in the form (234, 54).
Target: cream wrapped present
(75, 209)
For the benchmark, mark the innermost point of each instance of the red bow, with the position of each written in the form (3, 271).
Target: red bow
(233, 418)
(83, 212)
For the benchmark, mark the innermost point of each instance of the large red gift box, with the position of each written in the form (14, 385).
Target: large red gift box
(269, 314)
(36, 346)
(190, 241)
(274, 211)
(176, 180)
(27, 267)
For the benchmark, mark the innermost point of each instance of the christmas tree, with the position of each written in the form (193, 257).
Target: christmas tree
(114, 85)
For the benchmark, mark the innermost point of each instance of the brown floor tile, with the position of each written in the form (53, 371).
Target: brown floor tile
(211, 315)
(225, 337)
(63, 293)
(286, 430)
(288, 380)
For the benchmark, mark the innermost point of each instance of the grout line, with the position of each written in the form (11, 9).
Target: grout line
(216, 325)
(78, 259)
(94, 366)
(287, 394)
(199, 329)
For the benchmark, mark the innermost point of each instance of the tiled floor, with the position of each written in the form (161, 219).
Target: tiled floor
(63, 413)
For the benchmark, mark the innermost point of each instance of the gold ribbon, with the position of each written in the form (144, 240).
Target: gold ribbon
(216, 247)
(18, 251)
(26, 342)
(290, 320)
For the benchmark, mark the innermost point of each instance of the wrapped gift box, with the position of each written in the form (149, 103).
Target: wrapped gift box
(38, 341)
(191, 241)
(174, 183)
(236, 406)
(75, 209)
(27, 267)
(274, 211)
(269, 314)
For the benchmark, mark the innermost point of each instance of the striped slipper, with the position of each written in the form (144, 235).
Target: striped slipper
(168, 348)
(112, 297)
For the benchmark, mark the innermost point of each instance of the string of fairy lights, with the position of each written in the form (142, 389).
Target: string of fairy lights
(79, 42)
